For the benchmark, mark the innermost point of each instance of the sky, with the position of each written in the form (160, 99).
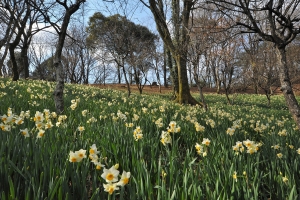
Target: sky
(134, 10)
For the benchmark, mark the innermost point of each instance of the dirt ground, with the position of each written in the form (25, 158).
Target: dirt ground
(155, 89)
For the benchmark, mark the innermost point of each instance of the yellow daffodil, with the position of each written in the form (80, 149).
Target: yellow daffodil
(24, 132)
(235, 148)
(5, 127)
(239, 144)
(110, 175)
(38, 117)
(116, 166)
(84, 112)
(198, 127)
(129, 125)
(110, 187)
(279, 155)
(138, 136)
(124, 178)
(93, 149)
(285, 179)
(234, 176)
(247, 143)
(165, 138)
(80, 128)
(19, 121)
(275, 147)
(99, 165)
(230, 131)
(206, 141)
(73, 157)
(40, 134)
(39, 125)
(81, 153)
(48, 125)
(4, 118)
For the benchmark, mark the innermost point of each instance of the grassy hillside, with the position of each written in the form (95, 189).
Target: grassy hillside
(244, 151)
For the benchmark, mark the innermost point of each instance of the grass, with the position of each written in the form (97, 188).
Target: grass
(251, 150)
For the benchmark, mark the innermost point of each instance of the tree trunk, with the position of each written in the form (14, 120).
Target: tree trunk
(137, 80)
(104, 75)
(126, 80)
(269, 99)
(7, 36)
(24, 59)
(215, 74)
(173, 74)
(218, 84)
(200, 88)
(59, 89)
(119, 74)
(2, 60)
(24, 50)
(286, 86)
(190, 75)
(12, 47)
(183, 96)
(166, 63)
(197, 80)
(14, 63)
(14, 44)
(177, 44)
(58, 93)
(227, 97)
(255, 87)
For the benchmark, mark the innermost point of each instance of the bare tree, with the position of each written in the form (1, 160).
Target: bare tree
(228, 50)
(110, 34)
(20, 12)
(158, 59)
(126, 42)
(213, 59)
(27, 35)
(167, 65)
(25, 19)
(250, 43)
(143, 44)
(51, 11)
(79, 59)
(202, 38)
(23, 16)
(293, 60)
(178, 44)
(8, 26)
(41, 53)
(258, 63)
(274, 21)
(268, 74)
(105, 67)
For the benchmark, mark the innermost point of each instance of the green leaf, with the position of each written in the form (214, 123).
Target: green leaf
(291, 196)
(17, 169)
(54, 189)
(11, 188)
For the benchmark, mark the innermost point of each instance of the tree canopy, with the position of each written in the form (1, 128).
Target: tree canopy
(118, 34)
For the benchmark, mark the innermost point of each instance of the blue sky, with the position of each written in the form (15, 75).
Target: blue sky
(134, 10)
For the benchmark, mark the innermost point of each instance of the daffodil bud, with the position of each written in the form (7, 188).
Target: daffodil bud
(116, 166)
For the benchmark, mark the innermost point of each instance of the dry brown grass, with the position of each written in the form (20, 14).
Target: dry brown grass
(155, 89)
